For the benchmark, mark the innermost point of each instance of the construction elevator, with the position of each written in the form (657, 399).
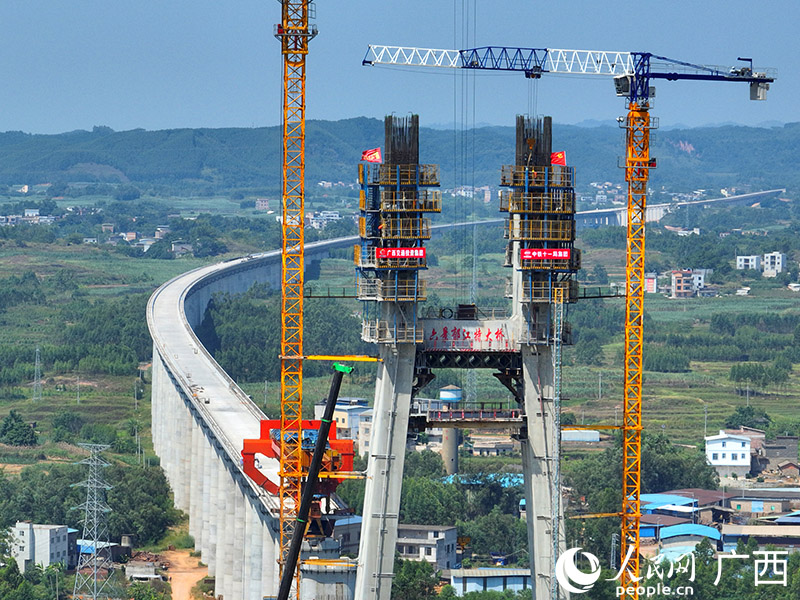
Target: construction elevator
(518, 346)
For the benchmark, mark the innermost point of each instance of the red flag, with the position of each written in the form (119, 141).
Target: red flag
(373, 155)
(559, 158)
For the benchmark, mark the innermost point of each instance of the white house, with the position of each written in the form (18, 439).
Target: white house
(364, 432)
(744, 263)
(774, 263)
(435, 544)
(44, 545)
(728, 453)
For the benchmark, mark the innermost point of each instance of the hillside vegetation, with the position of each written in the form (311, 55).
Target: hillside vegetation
(224, 159)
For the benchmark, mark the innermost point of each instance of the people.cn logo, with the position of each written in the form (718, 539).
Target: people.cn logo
(571, 578)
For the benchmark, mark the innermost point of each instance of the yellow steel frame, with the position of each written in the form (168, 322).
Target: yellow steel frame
(294, 35)
(637, 165)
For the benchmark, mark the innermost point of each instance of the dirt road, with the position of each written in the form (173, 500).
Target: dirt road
(183, 572)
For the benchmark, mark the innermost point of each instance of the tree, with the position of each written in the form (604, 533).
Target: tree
(426, 501)
(599, 274)
(423, 464)
(748, 416)
(496, 532)
(413, 580)
(589, 352)
(15, 432)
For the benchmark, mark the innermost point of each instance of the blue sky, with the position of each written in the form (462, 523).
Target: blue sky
(175, 63)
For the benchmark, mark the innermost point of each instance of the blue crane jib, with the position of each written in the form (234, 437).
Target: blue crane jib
(632, 71)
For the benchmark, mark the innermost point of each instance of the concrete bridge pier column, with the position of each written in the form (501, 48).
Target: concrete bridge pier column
(240, 558)
(219, 516)
(269, 566)
(385, 472)
(226, 559)
(157, 398)
(208, 458)
(196, 479)
(255, 551)
(183, 438)
(538, 461)
(210, 551)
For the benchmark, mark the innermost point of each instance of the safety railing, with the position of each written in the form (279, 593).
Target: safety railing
(410, 228)
(556, 176)
(543, 336)
(537, 230)
(411, 201)
(381, 332)
(542, 291)
(367, 203)
(367, 258)
(398, 174)
(402, 290)
(555, 201)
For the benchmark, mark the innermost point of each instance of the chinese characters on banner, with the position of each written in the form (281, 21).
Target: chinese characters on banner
(400, 252)
(545, 253)
(465, 336)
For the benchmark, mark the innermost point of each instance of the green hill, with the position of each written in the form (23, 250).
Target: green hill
(225, 159)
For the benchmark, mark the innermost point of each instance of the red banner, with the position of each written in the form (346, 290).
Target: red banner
(559, 158)
(400, 252)
(373, 155)
(545, 253)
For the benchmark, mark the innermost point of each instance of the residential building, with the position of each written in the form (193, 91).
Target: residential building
(161, 231)
(348, 532)
(744, 263)
(774, 263)
(180, 248)
(346, 416)
(699, 278)
(262, 204)
(491, 445)
(728, 453)
(435, 544)
(364, 432)
(782, 448)
(788, 468)
(682, 284)
(43, 545)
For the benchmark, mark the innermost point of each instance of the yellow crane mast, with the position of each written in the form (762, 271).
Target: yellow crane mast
(637, 171)
(294, 34)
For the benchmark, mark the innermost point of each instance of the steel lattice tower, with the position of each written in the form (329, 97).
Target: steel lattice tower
(37, 377)
(91, 576)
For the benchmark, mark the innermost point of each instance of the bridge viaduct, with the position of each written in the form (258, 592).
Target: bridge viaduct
(200, 418)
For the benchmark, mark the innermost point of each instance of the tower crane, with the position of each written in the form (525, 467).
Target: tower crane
(632, 73)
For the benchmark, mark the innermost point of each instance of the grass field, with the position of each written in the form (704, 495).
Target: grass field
(682, 405)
